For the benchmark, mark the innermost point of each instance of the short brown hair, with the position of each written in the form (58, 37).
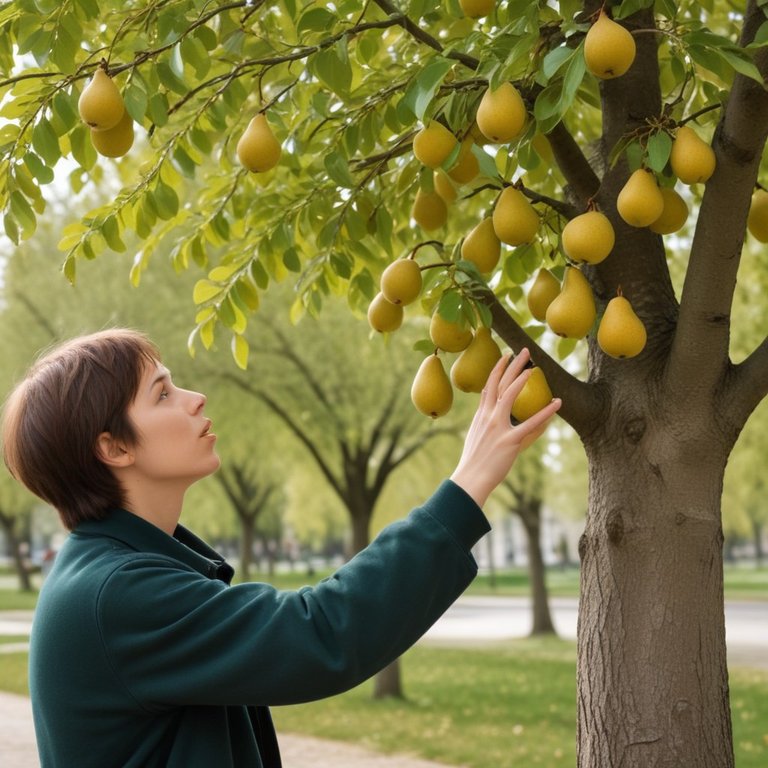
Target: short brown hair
(53, 417)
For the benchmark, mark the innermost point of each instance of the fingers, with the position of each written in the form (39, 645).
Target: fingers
(539, 420)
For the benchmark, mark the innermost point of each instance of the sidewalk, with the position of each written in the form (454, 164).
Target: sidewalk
(17, 745)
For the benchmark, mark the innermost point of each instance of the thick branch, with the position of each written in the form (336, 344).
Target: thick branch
(747, 385)
(702, 337)
(575, 167)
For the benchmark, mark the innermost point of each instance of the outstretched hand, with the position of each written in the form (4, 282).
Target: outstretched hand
(493, 443)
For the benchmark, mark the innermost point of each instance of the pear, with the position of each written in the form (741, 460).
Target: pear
(609, 48)
(757, 220)
(100, 104)
(482, 247)
(515, 220)
(534, 395)
(692, 159)
(466, 166)
(542, 293)
(383, 315)
(444, 186)
(501, 114)
(472, 367)
(588, 238)
(401, 282)
(429, 210)
(674, 214)
(447, 335)
(114, 142)
(476, 9)
(640, 201)
(621, 333)
(433, 143)
(258, 149)
(572, 313)
(431, 391)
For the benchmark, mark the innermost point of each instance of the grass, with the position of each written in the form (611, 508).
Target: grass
(14, 600)
(512, 704)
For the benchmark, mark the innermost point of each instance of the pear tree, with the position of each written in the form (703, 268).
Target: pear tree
(653, 114)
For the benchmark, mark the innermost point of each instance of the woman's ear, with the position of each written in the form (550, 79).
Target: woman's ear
(112, 452)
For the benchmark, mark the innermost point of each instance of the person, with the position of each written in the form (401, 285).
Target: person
(141, 653)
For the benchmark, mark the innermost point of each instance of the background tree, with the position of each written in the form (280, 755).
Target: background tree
(345, 88)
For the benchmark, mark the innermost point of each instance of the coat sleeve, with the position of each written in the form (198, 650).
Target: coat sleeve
(176, 638)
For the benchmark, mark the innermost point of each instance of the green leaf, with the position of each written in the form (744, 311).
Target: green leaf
(38, 169)
(46, 142)
(659, 147)
(240, 351)
(204, 291)
(338, 170)
(110, 229)
(291, 260)
(316, 20)
(555, 59)
(331, 65)
(170, 80)
(423, 87)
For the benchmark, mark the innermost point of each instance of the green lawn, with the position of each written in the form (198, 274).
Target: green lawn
(508, 705)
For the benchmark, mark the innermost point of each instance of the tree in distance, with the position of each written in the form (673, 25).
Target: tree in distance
(401, 281)
(588, 238)
(572, 313)
(258, 149)
(691, 159)
(621, 333)
(482, 247)
(476, 9)
(433, 144)
(383, 315)
(431, 391)
(115, 141)
(100, 104)
(544, 290)
(429, 210)
(757, 219)
(534, 395)
(501, 115)
(447, 335)
(640, 201)
(609, 48)
(472, 367)
(673, 215)
(515, 220)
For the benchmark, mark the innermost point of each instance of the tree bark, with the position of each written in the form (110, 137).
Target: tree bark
(387, 683)
(8, 523)
(542, 618)
(757, 533)
(652, 674)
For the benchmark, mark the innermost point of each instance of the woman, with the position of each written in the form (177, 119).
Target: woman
(141, 653)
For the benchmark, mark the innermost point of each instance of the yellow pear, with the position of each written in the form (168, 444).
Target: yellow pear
(609, 48)
(433, 143)
(757, 221)
(572, 313)
(100, 104)
(515, 220)
(476, 9)
(444, 186)
(401, 282)
(621, 333)
(482, 247)
(542, 293)
(472, 367)
(431, 391)
(258, 149)
(673, 216)
(534, 395)
(466, 167)
(692, 159)
(383, 315)
(588, 238)
(114, 142)
(640, 201)
(501, 114)
(447, 335)
(429, 210)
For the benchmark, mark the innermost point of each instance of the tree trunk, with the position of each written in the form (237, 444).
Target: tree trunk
(387, 683)
(247, 529)
(542, 618)
(652, 673)
(9, 528)
(757, 532)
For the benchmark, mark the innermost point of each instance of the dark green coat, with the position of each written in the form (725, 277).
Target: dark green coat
(142, 655)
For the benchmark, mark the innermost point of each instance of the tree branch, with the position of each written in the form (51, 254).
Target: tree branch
(573, 164)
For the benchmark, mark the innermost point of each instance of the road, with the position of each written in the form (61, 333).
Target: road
(475, 619)
(482, 619)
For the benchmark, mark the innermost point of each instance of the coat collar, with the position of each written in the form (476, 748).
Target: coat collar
(143, 536)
